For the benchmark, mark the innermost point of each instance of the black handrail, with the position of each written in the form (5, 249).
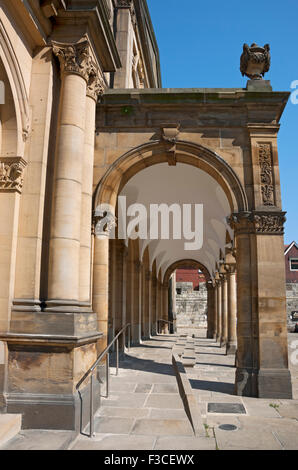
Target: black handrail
(92, 369)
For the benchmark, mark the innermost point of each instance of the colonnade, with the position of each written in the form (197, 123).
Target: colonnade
(222, 308)
(137, 294)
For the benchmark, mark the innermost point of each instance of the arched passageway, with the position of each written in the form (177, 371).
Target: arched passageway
(198, 178)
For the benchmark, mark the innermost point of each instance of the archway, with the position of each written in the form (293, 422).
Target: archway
(199, 176)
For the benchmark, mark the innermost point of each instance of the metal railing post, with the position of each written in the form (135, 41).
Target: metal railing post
(117, 356)
(107, 374)
(91, 407)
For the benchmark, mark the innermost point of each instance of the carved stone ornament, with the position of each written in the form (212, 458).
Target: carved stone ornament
(124, 3)
(255, 61)
(74, 58)
(103, 224)
(11, 173)
(267, 188)
(263, 223)
(96, 84)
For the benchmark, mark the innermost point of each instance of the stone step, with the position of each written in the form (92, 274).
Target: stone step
(10, 426)
(188, 361)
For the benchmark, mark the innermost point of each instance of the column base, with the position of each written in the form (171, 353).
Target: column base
(274, 383)
(263, 383)
(231, 348)
(50, 411)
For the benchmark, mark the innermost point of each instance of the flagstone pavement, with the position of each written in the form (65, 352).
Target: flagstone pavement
(144, 410)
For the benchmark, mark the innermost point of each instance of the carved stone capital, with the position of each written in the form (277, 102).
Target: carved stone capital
(258, 222)
(103, 224)
(74, 58)
(124, 3)
(96, 84)
(11, 173)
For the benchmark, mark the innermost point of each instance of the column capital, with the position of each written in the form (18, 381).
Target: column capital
(96, 83)
(103, 224)
(230, 268)
(11, 174)
(258, 222)
(74, 58)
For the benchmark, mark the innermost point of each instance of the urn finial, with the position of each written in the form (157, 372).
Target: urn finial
(255, 61)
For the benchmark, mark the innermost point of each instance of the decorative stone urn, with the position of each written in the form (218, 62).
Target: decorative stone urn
(255, 61)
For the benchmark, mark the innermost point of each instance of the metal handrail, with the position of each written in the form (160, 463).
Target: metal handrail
(93, 368)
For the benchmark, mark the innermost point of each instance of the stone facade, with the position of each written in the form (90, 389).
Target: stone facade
(191, 306)
(85, 121)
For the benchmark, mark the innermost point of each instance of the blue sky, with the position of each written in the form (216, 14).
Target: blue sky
(200, 45)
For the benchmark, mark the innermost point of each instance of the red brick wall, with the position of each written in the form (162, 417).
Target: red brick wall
(291, 276)
(190, 275)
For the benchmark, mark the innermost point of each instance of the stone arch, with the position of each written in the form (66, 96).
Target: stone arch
(185, 263)
(18, 91)
(126, 166)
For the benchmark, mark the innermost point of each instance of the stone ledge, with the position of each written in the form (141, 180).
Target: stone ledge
(187, 396)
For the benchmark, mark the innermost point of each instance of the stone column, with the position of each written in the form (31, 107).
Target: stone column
(262, 351)
(137, 335)
(153, 305)
(211, 310)
(232, 309)
(215, 310)
(148, 324)
(64, 265)
(95, 87)
(165, 305)
(64, 336)
(125, 320)
(219, 309)
(224, 310)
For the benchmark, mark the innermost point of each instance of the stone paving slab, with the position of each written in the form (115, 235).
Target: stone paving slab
(185, 443)
(113, 425)
(162, 427)
(165, 388)
(115, 442)
(128, 400)
(164, 401)
(40, 440)
(124, 412)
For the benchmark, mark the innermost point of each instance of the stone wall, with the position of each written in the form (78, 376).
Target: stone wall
(191, 306)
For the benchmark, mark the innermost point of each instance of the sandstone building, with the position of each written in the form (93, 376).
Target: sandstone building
(84, 121)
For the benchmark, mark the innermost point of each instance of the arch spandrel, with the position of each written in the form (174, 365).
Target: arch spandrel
(152, 153)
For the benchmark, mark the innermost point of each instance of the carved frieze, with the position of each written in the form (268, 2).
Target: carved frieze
(265, 161)
(261, 223)
(11, 173)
